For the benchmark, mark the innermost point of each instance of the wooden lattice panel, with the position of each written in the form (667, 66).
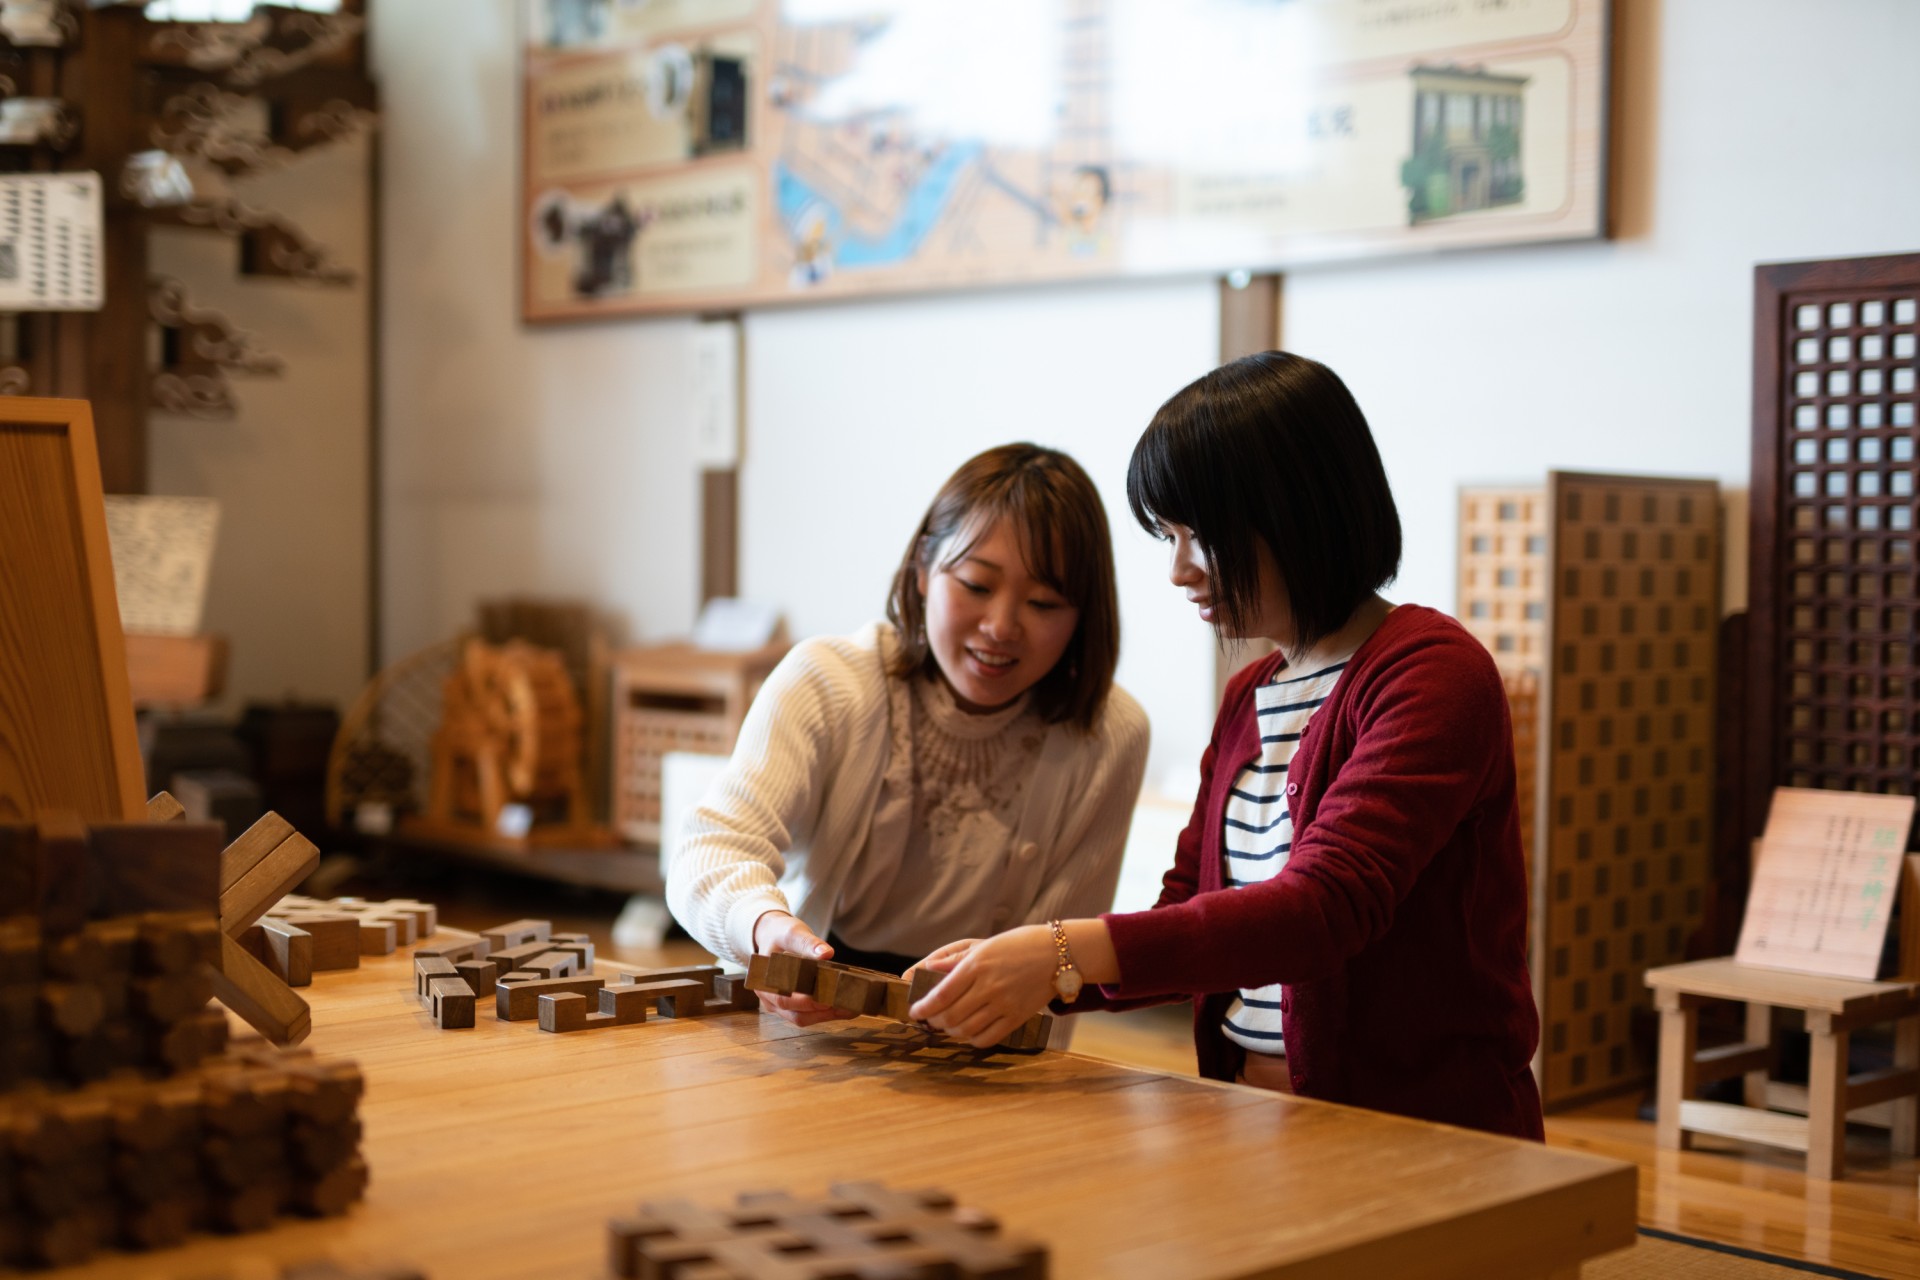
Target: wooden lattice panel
(1628, 800)
(1503, 562)
(1834, 587)
(1523, 710)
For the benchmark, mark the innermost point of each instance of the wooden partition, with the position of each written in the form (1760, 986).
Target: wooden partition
(66, 715)
(1599, 598)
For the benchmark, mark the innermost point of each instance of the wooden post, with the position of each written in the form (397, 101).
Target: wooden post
(1249, 323)
(1826, 1096)
(1679, 1036)
(101, 356)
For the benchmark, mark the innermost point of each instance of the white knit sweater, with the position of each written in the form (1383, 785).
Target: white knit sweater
(783, 826)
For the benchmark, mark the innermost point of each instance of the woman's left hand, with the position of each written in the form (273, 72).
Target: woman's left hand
(992, 987)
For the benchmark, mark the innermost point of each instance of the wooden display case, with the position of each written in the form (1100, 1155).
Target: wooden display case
(1599, 598)
(675, 698)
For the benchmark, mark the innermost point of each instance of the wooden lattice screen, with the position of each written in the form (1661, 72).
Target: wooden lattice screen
(1599, 597)
(1834, 700)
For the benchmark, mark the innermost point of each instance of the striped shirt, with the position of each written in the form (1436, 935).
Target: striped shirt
(1259, 829)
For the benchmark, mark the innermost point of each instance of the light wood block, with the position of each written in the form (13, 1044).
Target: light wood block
(252, 990)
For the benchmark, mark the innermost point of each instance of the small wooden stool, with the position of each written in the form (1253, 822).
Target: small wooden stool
(1834, 1008)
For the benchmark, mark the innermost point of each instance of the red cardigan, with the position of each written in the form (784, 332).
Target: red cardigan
(1399, 924)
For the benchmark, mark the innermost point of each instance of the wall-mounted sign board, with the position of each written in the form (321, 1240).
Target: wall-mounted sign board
(687, 155)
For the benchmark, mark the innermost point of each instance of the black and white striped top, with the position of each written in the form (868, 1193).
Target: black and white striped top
(1259, 828)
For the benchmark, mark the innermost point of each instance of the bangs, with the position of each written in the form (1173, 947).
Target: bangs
(1056, 548)
(1157, 494)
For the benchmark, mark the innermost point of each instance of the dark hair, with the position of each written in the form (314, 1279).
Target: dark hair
(1056, 514)
(1272, 446)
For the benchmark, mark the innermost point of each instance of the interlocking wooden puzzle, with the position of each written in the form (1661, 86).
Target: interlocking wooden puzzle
(533, 974)
(870, 992)
(862, 1229)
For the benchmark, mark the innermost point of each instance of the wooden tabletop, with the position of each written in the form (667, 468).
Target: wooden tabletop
(503, 1151)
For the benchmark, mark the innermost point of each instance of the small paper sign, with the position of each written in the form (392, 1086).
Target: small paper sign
(162, 550)
(1824, 882)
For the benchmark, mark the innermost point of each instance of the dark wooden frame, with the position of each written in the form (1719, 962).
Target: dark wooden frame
(1779, 289)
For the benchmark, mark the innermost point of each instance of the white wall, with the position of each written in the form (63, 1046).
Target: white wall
(559, 459)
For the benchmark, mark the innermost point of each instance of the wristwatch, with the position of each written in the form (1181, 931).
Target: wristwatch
(1066, 978)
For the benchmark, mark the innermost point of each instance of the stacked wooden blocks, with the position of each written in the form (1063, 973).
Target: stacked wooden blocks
(870, 992)
(861, 1229)
(125, 1117)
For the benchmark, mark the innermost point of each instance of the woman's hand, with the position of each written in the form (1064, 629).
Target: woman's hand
(781, 933)
(942, 959)
(991, 987)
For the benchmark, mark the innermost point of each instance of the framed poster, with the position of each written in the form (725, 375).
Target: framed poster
(686, 155)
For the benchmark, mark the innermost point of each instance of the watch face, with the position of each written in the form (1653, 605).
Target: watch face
(1066, 984)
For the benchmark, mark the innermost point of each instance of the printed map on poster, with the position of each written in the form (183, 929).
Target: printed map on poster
(685, 155)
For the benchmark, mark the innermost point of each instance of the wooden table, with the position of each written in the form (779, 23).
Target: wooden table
(503, 1151)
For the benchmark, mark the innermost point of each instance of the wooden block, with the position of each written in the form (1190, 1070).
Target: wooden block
(473, 949)
(159, 866)
(620, 1006)
(425, 916)
(704, 974)
(62, 873)
(507, 959)
(518, 933)
(782, 975)
(922, 985)
(162, 807)
(427, 970)
(253, 844)
(732, 988)
(175, 941)
(406, 927)
(553, 964)
(576, 944)
(171, 997)
(79, 956)
(290, 952)
(675, 997)
(519, 1001)
(1031, 1037)
(851, 991)
(336, 938)
(479, 975)
(72, 1008)
(378, 937)
(899, 1001)
(264, 1002)
(292, 861)
(452, 1002)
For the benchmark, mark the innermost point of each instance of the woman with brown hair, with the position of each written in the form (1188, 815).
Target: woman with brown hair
(964, 767)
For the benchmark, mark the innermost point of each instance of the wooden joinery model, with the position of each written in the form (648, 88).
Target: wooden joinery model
(870, 992)
(1599, 598)
(860, 1229)
(128, 1117)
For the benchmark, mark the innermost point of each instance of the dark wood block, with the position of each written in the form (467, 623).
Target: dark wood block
(517, 933)
(452, 1002)
(143, 866)
(520, 1001)
(478, 974)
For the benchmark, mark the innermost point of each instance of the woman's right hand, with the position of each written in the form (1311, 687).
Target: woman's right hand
(781, 933)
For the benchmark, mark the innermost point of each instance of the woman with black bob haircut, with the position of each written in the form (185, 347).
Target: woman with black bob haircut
(1347, 906)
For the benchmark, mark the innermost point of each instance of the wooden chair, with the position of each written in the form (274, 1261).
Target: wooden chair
(1812, 1119)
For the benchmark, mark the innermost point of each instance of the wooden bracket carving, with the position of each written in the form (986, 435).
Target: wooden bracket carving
(270, 43)
(198, 350)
